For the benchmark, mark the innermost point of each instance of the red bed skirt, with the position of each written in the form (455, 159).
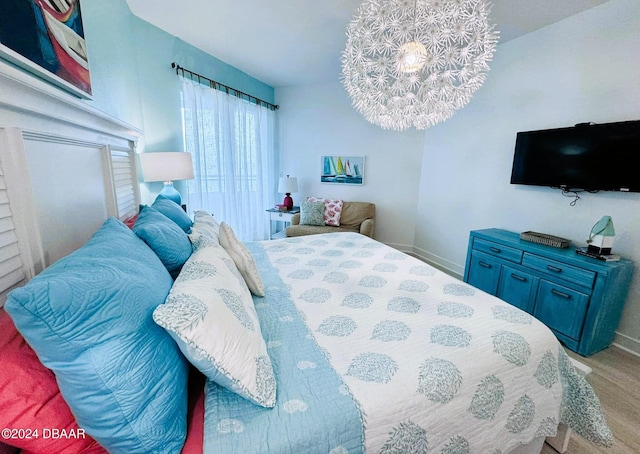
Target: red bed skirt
(195, 416)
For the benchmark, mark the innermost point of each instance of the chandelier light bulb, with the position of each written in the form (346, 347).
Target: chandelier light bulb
(416, 62)
(411, 57)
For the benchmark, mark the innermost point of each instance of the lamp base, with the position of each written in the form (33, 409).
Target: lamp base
(599, 250)
(600, 244)
(288, 202)
(169, 192)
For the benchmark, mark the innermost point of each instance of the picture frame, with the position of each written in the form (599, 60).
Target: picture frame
(46, 38)
(342, 169)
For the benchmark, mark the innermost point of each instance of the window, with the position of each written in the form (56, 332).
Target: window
(232, 144)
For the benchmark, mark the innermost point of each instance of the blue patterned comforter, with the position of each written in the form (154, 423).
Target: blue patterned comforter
(375, 351)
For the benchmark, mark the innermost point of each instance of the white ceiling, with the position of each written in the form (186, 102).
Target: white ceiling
(296, 42)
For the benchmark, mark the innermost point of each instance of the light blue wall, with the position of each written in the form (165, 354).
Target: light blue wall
(109, 33)
(160, 87)
(131, 74)
(132, 79)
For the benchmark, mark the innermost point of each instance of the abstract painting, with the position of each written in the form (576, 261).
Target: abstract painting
(46, 38)
(342, 169)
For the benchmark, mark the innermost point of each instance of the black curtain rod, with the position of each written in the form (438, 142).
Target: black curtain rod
(222, 87)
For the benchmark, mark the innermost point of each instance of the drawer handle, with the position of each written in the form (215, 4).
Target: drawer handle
(560, 294)
(485, 265)
(555, 269)
(495, 249)
(517, 277)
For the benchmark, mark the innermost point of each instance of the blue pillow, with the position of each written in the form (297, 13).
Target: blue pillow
(170, 243)
(174, 212)
(89, 318)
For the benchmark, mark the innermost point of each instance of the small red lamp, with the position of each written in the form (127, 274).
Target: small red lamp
(286, 186)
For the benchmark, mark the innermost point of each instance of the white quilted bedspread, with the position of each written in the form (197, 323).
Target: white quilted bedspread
(433, 364)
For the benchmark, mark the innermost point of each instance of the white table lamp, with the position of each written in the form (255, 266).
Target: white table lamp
(167, 166)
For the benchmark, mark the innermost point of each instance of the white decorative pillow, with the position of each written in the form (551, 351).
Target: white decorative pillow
(206, 218)
(210, 314)
(242, 258)
(332, 210)
(202, 233)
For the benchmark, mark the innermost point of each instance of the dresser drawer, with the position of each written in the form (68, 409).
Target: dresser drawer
(498, 250)
(561, 308)
(517, 288)
(562, 270)
(484, 272)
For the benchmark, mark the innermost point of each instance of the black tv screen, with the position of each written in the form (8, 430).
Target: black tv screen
(590, 157)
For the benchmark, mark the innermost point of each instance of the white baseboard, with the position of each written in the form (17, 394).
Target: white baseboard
(448, 267)
(401, 247)
(627, 343)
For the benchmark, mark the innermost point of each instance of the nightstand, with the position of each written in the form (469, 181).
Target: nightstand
(279, 220)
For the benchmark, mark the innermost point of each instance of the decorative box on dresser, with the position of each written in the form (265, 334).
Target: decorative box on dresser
(580, 298)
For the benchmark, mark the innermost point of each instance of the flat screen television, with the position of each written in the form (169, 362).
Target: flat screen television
(589, 157)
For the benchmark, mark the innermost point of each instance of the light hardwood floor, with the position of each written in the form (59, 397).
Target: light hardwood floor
(616, 380)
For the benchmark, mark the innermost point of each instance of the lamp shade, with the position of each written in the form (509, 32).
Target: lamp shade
(287, 185)
(166, 166)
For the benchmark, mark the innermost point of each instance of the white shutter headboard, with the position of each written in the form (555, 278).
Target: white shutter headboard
(11, 269)
(64, 168)
(22, 255)
(122, 176)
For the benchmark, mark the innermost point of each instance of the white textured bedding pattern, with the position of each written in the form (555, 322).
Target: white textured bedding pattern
(434, 364)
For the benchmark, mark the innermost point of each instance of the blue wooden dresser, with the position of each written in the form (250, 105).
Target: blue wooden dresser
(579, 298)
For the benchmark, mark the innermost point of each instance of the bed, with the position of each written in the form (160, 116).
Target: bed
(408, 358)
(330, 343)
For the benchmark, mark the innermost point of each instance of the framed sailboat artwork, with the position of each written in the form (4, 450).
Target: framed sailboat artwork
(46, 38)
(342, 170)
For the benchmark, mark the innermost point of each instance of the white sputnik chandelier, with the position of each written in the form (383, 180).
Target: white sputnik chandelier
(415, 62)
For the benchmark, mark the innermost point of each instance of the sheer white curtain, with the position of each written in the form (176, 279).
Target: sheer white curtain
(233, 148)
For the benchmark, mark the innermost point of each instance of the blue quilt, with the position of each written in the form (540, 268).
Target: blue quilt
(315, 413)
(376, 351)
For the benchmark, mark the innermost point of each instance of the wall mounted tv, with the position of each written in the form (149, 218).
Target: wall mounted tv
(589, 157)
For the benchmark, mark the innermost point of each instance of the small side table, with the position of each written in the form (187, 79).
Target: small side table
(276, 217)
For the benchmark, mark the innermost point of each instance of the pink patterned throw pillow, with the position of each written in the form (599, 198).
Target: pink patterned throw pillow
(332, 210)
